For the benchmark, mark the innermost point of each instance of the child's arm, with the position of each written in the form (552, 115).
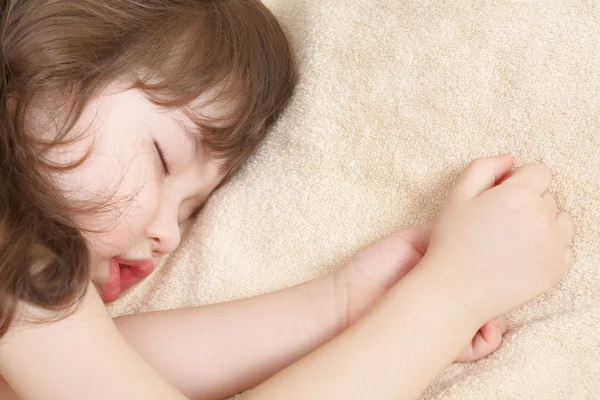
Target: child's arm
(493, 249)
(394, 352)
(490, 253)
(214, 351)
(84, 357)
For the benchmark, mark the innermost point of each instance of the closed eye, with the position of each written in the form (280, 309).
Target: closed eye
(161, 155)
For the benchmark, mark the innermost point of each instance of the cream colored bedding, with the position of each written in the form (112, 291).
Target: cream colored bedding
(395, 98)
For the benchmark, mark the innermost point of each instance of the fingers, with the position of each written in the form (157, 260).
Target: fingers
(534, 176)
(550, 202)
(569, 256)
(502, 323)
(505, 177)
(566, 225)
(481, 175)
(565, 222)
(486, 341)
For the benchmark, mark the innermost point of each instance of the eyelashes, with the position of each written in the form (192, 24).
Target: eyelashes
(161, 155)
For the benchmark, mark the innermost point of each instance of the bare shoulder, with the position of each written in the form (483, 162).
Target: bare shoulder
(6, 392)
(31, 323)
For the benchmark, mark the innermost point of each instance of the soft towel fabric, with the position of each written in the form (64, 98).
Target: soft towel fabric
(395, 98)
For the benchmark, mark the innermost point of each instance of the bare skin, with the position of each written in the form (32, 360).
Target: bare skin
(279, 328)
(494, 248)
(465, 279)
(165, 187)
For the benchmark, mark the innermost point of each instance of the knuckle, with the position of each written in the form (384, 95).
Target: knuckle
(569, 256)
(570, 220)
(567, 223)
(478, 163)
(542, 170)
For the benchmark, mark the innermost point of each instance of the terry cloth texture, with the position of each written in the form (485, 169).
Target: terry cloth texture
(395, 98)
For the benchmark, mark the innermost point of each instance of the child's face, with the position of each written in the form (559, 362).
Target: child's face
(147, 204)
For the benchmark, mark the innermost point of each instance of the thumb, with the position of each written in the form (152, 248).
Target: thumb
(482, 174)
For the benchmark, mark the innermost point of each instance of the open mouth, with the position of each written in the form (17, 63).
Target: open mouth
(123, 275)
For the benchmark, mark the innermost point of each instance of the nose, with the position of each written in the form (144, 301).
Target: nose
(165, 233)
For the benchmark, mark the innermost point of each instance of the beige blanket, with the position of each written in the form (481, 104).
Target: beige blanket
(395, 98)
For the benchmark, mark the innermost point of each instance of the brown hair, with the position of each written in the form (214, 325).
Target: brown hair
(175, 51)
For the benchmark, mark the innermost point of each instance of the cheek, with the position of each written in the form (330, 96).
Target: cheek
(128, 189)
(123, 227)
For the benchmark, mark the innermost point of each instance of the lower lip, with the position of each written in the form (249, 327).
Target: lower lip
(121, 278)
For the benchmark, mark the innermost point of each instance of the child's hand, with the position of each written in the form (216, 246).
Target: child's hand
(375, 269)
(500, 246)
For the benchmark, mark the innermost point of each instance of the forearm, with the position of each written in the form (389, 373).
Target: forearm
(394, 352)
(215, 351)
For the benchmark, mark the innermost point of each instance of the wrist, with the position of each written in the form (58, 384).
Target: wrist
(452, 294)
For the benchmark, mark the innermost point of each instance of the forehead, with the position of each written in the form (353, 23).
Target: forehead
(212, 110)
